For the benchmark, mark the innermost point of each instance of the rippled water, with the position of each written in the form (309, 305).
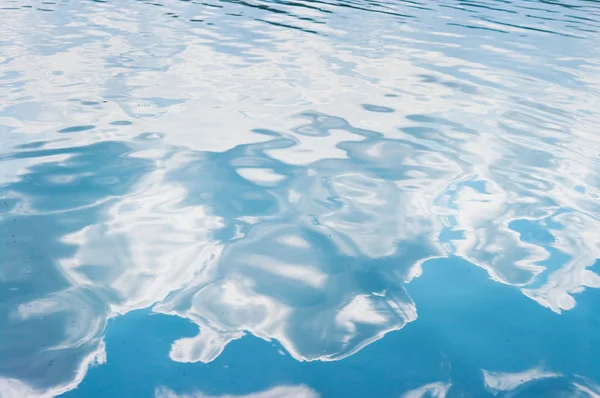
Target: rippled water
(299, 198)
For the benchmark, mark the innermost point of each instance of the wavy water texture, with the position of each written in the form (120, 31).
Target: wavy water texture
(284, 169)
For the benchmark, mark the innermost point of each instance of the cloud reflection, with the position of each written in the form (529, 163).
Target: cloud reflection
(498, 381)
(523, 384)
(433, 390)
(275, 392)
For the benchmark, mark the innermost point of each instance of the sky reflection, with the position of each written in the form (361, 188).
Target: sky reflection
(288, 170)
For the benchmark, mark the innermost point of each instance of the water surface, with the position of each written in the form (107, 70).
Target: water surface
(299, 198)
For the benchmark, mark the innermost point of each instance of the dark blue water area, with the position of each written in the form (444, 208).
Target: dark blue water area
(466, 323)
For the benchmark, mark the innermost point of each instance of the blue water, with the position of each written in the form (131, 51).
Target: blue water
(299, 198)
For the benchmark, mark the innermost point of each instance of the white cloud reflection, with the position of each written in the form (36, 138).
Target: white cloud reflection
(300, 391)
(515, 384)
(498, 381)
(434, 390)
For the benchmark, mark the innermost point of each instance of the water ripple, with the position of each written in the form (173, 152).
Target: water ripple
(285, 169)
